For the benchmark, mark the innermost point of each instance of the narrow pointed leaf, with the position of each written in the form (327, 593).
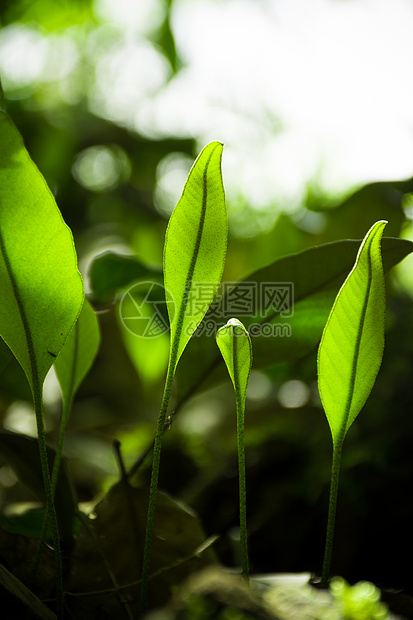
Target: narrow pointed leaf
(194, 254)
(351, 348)
(41, 290)
(195, 247)
(234, 343)
(76, 358)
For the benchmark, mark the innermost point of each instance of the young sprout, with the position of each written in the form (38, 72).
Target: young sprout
(234, 343)
(196, 231)
(349, 357)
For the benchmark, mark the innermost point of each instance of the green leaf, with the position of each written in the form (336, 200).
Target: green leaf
(148, 355)
(316, 275)
(195, 247)
(111, 272)
(234, 343)
(41, 288)
(76, 358)
(351, 348)
(194, 255)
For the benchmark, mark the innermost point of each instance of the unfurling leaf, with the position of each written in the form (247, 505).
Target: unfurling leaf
(234, 343)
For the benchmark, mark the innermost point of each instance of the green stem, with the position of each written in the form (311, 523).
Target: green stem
(55, 474)
(335, 475)
(50, 505)
(242, 488)
(153, 489)
(59, 449)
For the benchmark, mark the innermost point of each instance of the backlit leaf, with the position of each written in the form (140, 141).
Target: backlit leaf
(41, 290)
(195, 247)
(79, 351)
(351, 348)
(234, 343)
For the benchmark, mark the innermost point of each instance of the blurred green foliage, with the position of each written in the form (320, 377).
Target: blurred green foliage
(359, 602)
(287, 447)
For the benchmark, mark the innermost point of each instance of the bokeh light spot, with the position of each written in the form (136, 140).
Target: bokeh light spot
(293, 394)
(101, 168)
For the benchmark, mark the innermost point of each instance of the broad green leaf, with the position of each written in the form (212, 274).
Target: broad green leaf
(351, 348)
(316, 275)
(41, 288)
(111, 272)
(234, 343)
(195, 247)
(76, 358)
(22, 455)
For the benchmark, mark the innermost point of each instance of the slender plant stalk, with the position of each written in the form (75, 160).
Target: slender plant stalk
(238, 360)
(335, 475)
(153, 489)
(179, 280)
(59, 449)
(66, 409)
(241, 460)
(51, 510)
(242, 488)
(55, 475)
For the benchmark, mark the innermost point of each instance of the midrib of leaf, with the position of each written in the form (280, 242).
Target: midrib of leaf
(27, 332)
(357, 346)
(237, 386)
(191, 270)
(38, 406)
(235, 364)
